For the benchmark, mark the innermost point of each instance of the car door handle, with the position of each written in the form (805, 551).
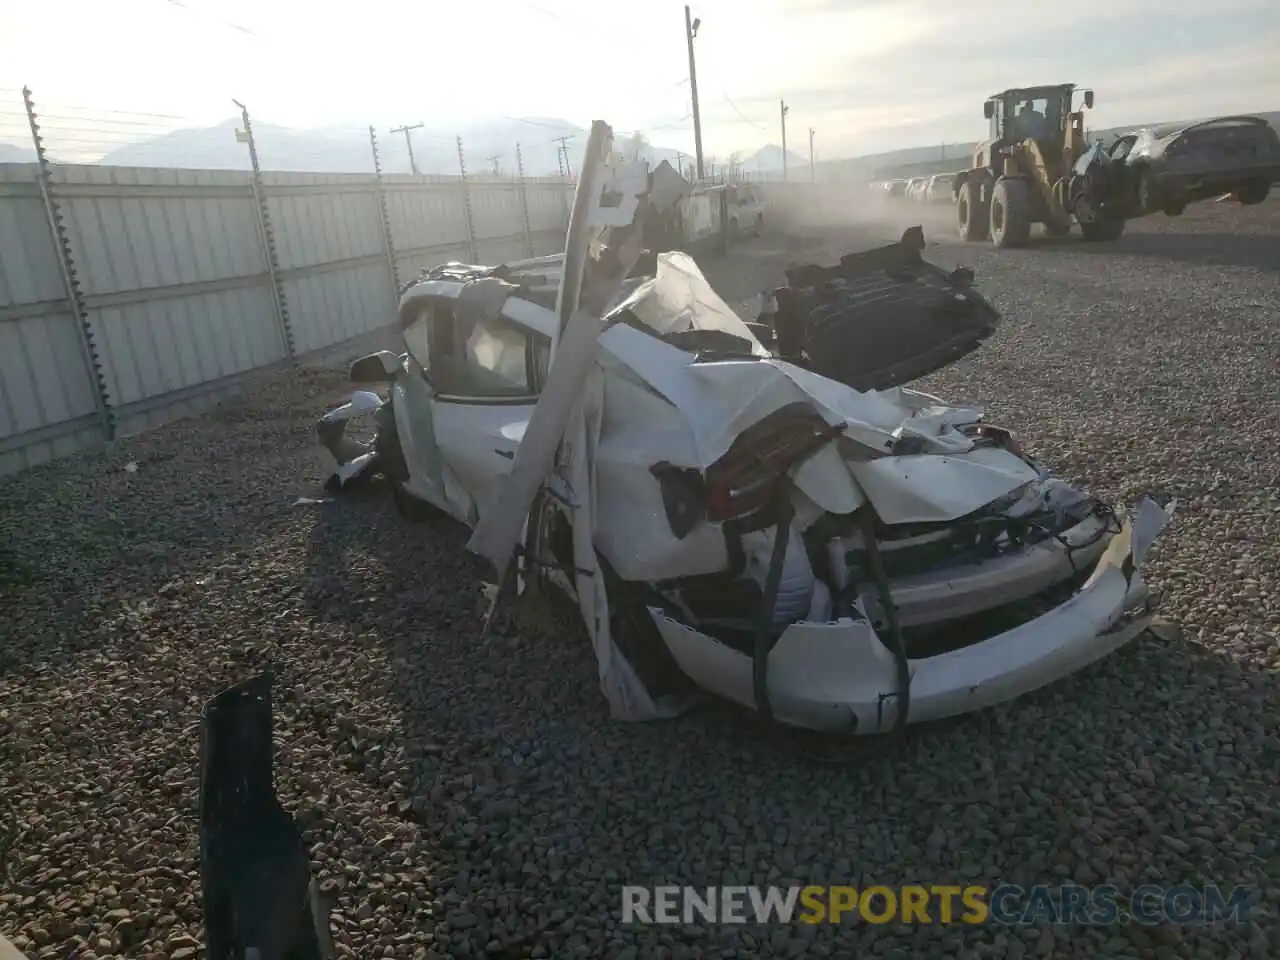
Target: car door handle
(509, 454)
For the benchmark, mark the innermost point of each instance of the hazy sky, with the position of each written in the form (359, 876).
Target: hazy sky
(869, 75)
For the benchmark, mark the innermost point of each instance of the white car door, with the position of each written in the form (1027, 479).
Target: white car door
(485, 392)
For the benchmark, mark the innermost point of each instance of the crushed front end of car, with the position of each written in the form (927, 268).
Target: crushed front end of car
(837, 558)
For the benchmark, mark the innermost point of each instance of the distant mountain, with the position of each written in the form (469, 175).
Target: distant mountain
(769, 158)
(10, 153)
(346, 148)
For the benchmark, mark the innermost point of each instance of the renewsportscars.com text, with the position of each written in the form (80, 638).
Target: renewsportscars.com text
(1006, 904)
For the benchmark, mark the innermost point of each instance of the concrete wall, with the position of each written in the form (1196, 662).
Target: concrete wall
(174, 274)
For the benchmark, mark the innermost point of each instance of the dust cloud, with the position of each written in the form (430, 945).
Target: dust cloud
(854, 211)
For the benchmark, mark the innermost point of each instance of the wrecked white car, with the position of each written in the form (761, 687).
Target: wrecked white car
(759, 508)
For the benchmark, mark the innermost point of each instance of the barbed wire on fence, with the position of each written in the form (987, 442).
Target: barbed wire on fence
(77, 134)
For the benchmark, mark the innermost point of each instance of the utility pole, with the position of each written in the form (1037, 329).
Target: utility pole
(813, 176)
(691, 31)
(566, 169)
(497, 164)
(408, 142)
(782, 113)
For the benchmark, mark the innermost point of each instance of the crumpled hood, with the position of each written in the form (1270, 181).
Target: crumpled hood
(944, 477)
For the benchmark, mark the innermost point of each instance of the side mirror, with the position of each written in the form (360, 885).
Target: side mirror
(1088, 99)
(988, 109)
(380, 367)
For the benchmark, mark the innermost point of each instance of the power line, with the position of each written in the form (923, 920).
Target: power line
(205, 13)
(742, 116)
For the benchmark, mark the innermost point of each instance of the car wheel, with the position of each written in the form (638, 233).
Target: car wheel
(759, 228)
(1148, 194)
(1254, 192)
(410, 507)
(638, 638)
(1174, 209)
(1095, 226)
(394, 468)
(1010, 213)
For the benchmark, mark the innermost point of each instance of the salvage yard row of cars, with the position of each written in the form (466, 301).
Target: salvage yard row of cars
(934, 189)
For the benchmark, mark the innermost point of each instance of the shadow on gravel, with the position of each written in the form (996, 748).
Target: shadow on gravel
(1258, 251)
(535, 805)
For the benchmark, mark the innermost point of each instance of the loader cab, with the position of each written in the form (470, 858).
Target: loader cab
(1035, 113)
(1043, 114)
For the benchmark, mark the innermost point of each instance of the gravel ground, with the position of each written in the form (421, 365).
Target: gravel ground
(470, 798)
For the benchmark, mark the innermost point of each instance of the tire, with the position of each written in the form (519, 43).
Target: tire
(1010, 213)
(1174, 209)
(394, 468)
(1095, 227)
(1148, 199)
(971, 212)
(410, 507)
(759, 227)
(1253, 193)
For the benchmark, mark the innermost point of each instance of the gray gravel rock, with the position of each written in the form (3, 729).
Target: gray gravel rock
(469, 797)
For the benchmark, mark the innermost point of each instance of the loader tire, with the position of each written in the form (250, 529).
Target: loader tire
(1253, 193)
(971, 213)
(1010, 213)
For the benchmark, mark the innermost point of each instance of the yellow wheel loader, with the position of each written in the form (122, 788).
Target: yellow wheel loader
(1024, 173)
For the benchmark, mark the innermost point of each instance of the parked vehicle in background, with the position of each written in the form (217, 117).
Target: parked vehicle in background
(939, 189)
(1165, 168)
(746, 210)
(898, 188)
(914, 186)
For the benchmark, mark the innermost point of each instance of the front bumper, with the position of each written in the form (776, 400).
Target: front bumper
(353, 461)
(839, 676)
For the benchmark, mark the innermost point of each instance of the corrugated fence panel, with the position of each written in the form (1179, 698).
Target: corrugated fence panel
(549, 206)
(499, 223)
(175, 282)
(495, 211)
(332, 257)
(46, 392)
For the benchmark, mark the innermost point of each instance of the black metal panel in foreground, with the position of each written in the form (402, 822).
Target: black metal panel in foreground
(259, 900)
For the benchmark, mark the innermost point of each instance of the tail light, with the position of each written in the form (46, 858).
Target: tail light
(745, 479)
